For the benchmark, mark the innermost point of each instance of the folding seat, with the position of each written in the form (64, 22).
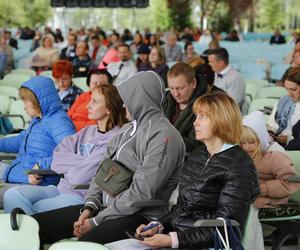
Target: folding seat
(81, 83)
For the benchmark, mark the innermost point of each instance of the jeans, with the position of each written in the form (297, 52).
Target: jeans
(36, 199)
(3, 167)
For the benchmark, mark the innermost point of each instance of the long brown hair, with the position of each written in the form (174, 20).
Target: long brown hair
(114, 103)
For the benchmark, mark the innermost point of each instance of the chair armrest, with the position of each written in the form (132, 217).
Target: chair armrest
(148, 203)
(13, 218)
(81, 186)
(4, 156)
(293, 179)
(41, 172)
(19, 116)
(213, 223)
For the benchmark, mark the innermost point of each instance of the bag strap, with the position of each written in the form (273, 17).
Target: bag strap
(114, 153)
(225, 243)
(235, 241)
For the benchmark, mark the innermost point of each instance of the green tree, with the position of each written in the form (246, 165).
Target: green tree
(25, 12)
(11, 14)
(271, 14)
(180, 13)
(37, 12)
(160, 14)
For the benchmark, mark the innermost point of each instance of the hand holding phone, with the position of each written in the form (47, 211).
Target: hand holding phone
(134, 235)
(272, 133)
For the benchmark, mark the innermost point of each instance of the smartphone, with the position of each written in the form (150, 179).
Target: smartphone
(134, 235)
(272, 133)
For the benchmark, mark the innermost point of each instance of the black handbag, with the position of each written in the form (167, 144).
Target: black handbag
(112, 177)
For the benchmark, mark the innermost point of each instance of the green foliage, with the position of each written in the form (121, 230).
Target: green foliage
(271, 14)
(180, 13)
(160, 14)
(24, 13)
(221, 19)
(37, 12)
(11, 14)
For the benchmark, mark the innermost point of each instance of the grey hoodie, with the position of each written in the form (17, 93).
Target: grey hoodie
(149, 146)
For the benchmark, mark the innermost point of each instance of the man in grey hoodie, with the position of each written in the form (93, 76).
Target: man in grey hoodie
(151, 148)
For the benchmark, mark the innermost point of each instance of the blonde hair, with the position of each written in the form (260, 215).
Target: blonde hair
(194, 62)
(27, 94)
(249, 135)
(224, 115)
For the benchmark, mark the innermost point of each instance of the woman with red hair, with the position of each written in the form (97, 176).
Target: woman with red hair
(62, 72)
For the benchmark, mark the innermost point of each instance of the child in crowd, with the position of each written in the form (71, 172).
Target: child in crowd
(272, 163)
(35, 145)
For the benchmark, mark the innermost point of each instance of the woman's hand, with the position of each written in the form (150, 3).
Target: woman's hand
(34, 179)
(282, 139)
(150, 232)
(158, 241)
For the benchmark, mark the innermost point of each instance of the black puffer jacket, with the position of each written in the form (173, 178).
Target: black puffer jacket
(223, 186)
(295, 143)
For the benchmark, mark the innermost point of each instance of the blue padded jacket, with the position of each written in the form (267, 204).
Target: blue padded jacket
(35, 145)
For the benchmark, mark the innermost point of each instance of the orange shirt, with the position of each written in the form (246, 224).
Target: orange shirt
(79, 113)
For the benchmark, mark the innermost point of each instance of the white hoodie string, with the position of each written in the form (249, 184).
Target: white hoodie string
(226, 244)
(134, 124)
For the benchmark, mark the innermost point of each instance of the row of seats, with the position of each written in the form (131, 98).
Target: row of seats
(26, 237)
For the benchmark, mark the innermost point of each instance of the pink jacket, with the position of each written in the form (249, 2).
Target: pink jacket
(273, 170)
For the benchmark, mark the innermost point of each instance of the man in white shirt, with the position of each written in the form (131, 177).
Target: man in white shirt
(226, 77)
(123, 69)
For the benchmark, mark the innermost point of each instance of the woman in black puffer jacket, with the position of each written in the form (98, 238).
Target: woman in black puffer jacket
(218, 180)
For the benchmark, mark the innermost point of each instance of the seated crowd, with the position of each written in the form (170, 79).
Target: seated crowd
(178, 130)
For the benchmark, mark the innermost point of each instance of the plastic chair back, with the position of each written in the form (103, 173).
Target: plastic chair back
(77, 245)
(14, 80)
(29, 72)
(22, 120)
(4, 100)
(81, 83)
(47, 73)
(273, 92)
(260, 104)
(253, 71)
(278, 70)
(26, 238)
(11, 92)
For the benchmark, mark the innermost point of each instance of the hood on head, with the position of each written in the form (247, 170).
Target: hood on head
(142, 94)
(256, 122)
(45, 92)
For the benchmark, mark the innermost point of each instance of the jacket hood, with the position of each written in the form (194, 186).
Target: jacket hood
(255, 121)
(45, 92)
(143, 95)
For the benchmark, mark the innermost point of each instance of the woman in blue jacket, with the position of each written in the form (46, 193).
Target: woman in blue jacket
(35, 145)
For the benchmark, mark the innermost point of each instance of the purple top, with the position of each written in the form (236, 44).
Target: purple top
(78, 156)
